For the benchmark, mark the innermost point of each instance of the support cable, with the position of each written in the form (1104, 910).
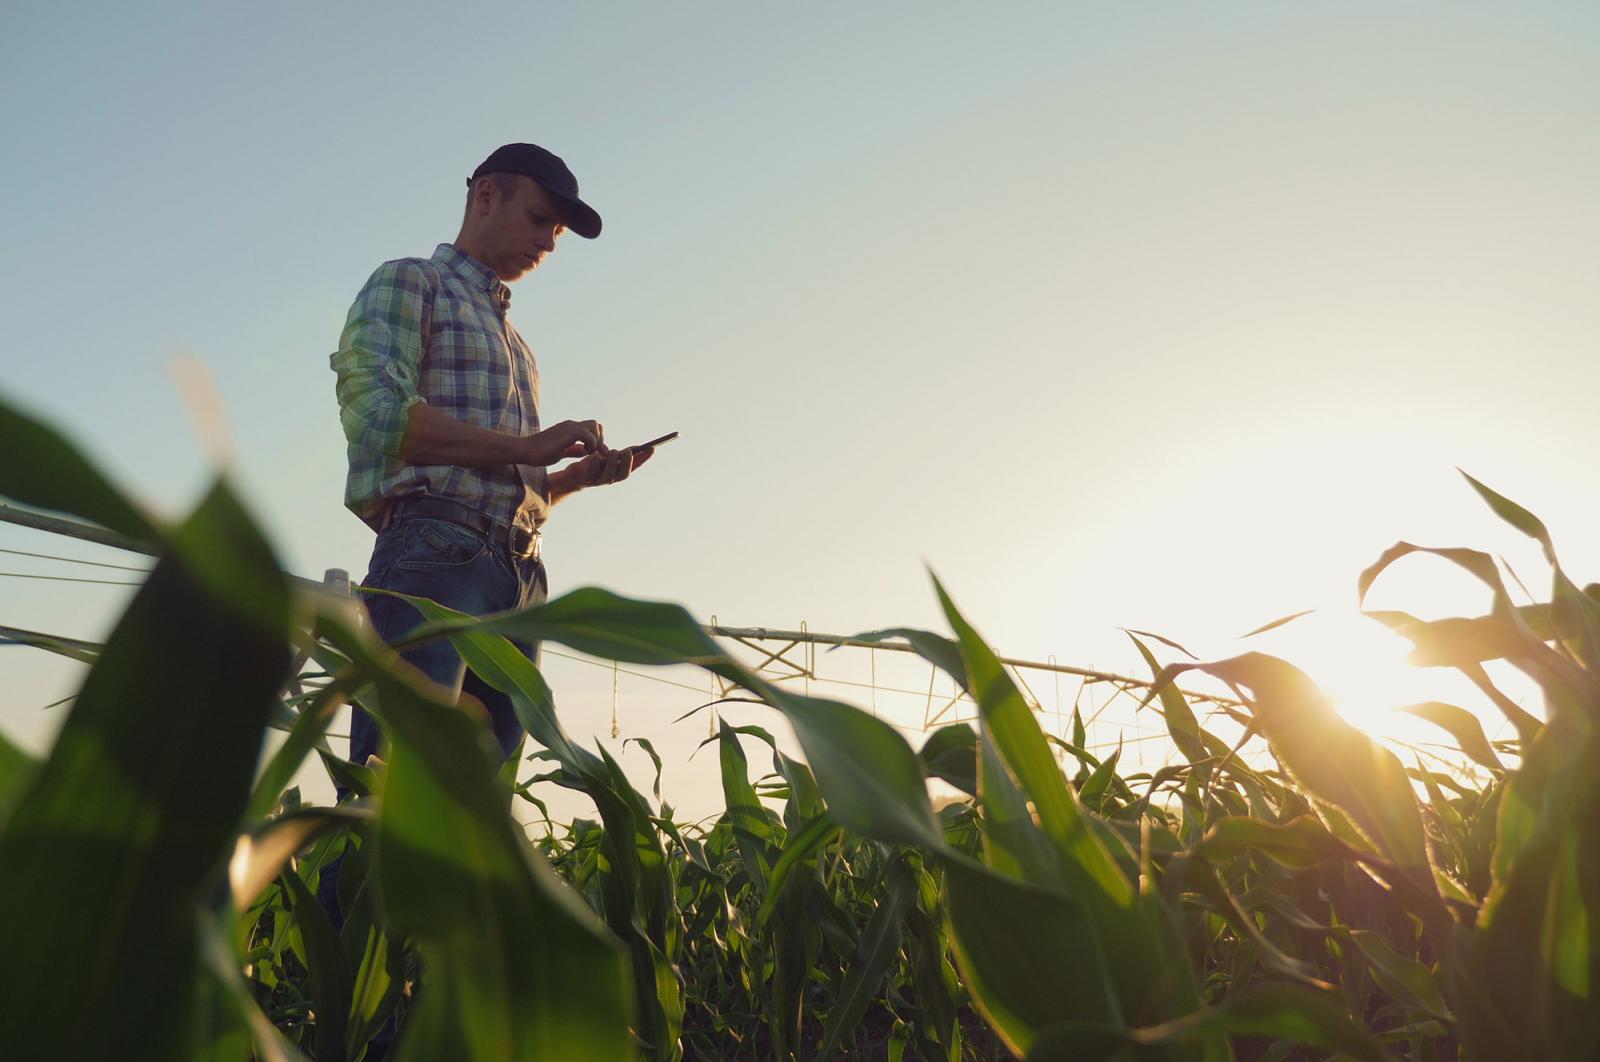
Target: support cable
(74, 560)
(66, 579)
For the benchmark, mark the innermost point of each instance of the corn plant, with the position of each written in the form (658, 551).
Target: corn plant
(1289, 888)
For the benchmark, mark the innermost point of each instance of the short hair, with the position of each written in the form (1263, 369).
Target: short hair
(506, 182)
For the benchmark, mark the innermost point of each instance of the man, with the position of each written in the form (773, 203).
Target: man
(439, 399)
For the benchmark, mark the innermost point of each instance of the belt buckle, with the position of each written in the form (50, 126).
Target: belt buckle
(510, 534)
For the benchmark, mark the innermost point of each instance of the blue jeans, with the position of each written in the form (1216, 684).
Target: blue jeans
(429, 557)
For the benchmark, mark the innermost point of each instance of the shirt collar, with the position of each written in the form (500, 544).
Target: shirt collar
(474, 272)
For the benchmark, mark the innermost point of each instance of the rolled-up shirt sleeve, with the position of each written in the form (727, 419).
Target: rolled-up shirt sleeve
(380, 357)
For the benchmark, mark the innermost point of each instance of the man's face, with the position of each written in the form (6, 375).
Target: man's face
(522, 229)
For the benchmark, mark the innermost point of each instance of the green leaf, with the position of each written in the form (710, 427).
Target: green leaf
(1136, 940)
(1205, 880)
(1461, 725)
(258, 857)
(655, 758)
(1275, 624)
(1302, 842)
(1028, 955)
(870, 778)
(867, 773)
(379, 981)
(1009, 724)
(55, 475)
(754, 833)
(934, 648)
(104, 856)
(16, 769)
(950, 753)
(1515, 515)
(518, 966)
(805, 799)
(1404, 978)
(1012, 844)
(1338, 764)
(1532, 965)
(70, 649)
(1462, 643)
(331, 979)
(360, 780)
(798, 846)
(484, 647)
(1094, 789)
(1180, 719)
(307, 732)
(880, 942)
(640, 907)
(220, 979)
(1288, 1012)
(601, 624)
(638, 901)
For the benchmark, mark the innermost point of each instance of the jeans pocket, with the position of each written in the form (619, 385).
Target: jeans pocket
(435, 545)
(386, 549)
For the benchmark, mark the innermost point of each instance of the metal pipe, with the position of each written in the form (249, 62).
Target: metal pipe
(85, 532)
(10, 514)
(767, 634)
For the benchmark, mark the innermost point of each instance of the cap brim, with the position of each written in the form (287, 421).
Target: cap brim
(578, 216)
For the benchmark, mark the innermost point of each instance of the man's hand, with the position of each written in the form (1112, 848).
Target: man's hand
(570, 438)
(607, 466)
(597, 469)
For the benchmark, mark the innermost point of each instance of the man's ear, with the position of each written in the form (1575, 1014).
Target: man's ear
(486, 195)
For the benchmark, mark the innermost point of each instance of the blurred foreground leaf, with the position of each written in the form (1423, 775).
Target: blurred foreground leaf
(103, 859)
(517, 967)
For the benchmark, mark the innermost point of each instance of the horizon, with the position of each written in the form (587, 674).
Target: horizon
(1113, 318)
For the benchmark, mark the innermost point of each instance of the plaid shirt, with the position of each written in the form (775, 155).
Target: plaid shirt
(435, 330)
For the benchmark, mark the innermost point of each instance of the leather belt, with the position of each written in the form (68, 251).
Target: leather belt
(518, 541)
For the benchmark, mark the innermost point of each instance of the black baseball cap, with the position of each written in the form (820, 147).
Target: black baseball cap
(531, 160)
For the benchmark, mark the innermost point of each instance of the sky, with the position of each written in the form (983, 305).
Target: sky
(1169, 317)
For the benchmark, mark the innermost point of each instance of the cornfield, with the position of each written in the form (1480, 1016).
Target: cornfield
(1295, 891)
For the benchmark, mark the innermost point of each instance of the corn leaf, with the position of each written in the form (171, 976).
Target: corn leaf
(104, 856)
(1461, 725)
(518, 966)
(1300, 843)
(879, 943)
(1286, 1012)
(1135, 945)
(950, 753)
(332, 981)
(16, 768)
(54, 475)
(259, 856)
(1339, 765)
(1029, 956)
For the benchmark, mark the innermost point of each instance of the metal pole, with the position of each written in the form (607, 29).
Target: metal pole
(767, 634)
(10, 514)
(84, 532)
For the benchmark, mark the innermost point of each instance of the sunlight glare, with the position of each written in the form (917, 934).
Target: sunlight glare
(1362, 667)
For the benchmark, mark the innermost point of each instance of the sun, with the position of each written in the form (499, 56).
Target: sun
(1361, 666)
